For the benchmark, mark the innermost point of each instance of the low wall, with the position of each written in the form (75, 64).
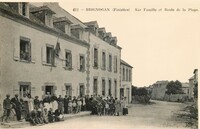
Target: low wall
(176, 97)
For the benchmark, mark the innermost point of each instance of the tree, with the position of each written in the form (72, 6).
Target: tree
(174, 87)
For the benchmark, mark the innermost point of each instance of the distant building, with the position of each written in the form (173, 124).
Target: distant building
(191, 88)
(185, 88)
(158, 90)
(126, 80)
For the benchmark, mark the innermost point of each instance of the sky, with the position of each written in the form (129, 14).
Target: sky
(160, 45)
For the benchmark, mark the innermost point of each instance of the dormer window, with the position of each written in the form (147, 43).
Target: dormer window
(44, 14)
(23, 9)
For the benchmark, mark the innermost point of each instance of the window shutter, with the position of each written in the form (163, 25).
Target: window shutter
(54, 57)
(16, 54)
(16, 89)
(20, 8)
(63, 90)
(33, 54)
(92, 57)
(100, 60)
(78, 92)
(43, 88)
(70, 60)
(44, 56)
(84, 62)
(63, 58)
(78, 62)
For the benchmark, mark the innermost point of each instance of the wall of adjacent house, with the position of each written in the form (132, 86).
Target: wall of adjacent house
(36, 73)
(126, 81)
(103, 46)
(158, 91)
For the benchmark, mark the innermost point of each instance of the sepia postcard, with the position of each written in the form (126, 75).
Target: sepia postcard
(108, 64)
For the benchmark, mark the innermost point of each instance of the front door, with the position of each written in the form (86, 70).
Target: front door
(121, 93)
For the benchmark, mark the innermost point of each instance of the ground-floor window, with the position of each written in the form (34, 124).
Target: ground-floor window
(95, 88)
(49, 90)
(121, 93)
(24, 89)
(128, 94)
(103, 87)
(68, 90)
(82, 90)
(115, 82)
(109, 87)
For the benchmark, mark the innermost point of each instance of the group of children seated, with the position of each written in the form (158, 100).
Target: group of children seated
(37, 116)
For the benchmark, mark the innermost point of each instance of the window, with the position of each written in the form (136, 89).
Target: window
(68, 90)
(130, 75)
(23, 9)
(82, 63)
(24, 89)
(82, 90)
(103, 87)
(68, 59)
(115, 64)
(110, 62)
(123, 74)
(127, 75)
(103, 60)
(25, 49)
(95, 88)
(95, 57)
(115, 88)
(109, 88)
(49, 90)
(50, 55)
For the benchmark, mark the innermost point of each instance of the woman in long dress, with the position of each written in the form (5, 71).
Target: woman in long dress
(117, 107)
(30, 103)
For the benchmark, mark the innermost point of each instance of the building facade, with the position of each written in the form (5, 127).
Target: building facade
(158, 90)
(46, 50)
(126, 80)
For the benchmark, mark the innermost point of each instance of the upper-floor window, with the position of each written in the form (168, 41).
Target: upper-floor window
(110, 63)
(123, 74)
(127, 75)
(103, 60)
(130, 75)
(23, 9)
(68, 59)
(82, 63)
(115, 64)
(95, 57)
(25, 49)
(50, 55)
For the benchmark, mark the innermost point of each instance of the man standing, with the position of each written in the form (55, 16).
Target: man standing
(17, 106)
(7, 108)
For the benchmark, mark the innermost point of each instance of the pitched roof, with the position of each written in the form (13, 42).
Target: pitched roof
(125, 63)
(60, 12)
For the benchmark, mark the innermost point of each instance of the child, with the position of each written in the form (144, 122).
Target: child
(45, 116)
(79, 103)
(106, 107)
(74, 106)
(70, 107)
(51, 116)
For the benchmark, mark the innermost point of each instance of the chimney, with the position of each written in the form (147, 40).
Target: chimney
(63, 24)
(44, 13)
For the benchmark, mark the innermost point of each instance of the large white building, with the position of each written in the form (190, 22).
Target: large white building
(47, 50)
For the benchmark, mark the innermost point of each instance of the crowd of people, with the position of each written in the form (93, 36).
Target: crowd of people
(52, 108)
